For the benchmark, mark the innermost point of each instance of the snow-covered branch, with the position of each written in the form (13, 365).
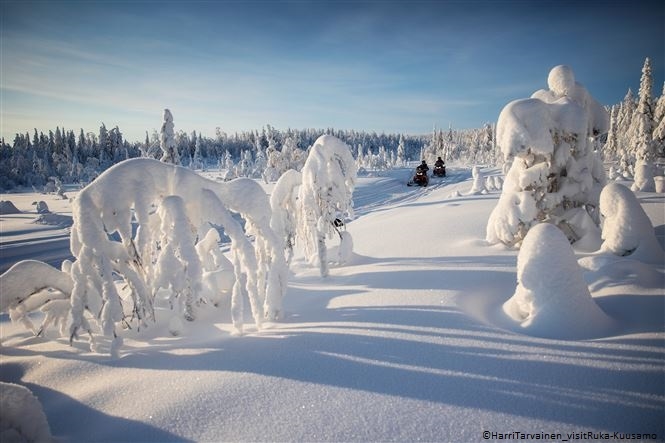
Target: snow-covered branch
(141, 221)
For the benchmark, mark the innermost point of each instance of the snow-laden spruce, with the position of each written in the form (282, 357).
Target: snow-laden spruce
(290, 157)
(328, 180)
(642, 127)
(627, 230)
(551, 298)
(554, 174)
(167, 140)
(140, 221)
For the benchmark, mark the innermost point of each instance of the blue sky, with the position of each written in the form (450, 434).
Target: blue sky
(385, 66)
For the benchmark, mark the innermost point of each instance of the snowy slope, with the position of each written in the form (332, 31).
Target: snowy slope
(407, 342)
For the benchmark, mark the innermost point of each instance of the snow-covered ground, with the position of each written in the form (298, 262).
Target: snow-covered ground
(406, 342)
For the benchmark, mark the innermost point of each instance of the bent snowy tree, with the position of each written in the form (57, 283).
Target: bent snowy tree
(32, 285)
(555, 176)
(140, 224)
(627, 229)
(328, 180)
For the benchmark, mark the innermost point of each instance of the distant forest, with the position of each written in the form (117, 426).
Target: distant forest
(37, 159)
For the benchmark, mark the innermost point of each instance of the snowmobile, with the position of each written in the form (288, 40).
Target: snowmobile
(420, 179)
(439, 171)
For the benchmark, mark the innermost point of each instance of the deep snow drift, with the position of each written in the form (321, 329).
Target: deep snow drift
(551, 294)
(407, 341)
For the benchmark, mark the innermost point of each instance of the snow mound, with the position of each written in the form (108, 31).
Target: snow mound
(52, 219)
(22, 418)
(552, 299)
(627, 230)
(7, 207)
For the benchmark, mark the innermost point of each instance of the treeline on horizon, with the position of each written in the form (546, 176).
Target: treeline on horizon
(35, 159)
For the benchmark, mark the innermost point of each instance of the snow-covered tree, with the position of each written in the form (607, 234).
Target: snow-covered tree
(361, 159)
(400, 160)
(437, 147)
(218, 278)
(162, 251)
(283, 201)
(626, 151)
(381, 160)
(167, 140)
(627, 229)
(551, 294)
(611, 148)
(555, 175)
(642, 129)
(328, 180)
(659, 125)
(260, 161)
(31, 285)
(197, 159)
(245, 165)
(478, 186)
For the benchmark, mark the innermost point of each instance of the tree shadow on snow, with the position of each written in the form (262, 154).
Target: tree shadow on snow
(660, 234)
(441, 356)
(435, 354)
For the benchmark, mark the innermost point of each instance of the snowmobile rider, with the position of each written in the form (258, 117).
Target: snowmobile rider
(422, 167)
(439, 163)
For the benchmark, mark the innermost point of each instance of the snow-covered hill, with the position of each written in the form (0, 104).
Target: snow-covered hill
(406, 342)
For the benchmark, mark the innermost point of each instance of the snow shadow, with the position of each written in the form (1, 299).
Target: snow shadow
(68, 416)
(660, 234)
(434, 354)
(437, 355)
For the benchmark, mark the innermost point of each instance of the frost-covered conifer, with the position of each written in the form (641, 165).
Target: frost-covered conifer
(167, 140)
(361, 158)
(642, 128)
(260, 162)
(611, 148)
(228, 165)
(400, 161)
(197, 160)
(244, 166)
(626, 152)
(659, 125)
(554, 174)
(328, 180)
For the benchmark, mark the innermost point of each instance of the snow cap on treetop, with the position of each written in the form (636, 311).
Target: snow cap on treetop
(561, 80)
(168, 117)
